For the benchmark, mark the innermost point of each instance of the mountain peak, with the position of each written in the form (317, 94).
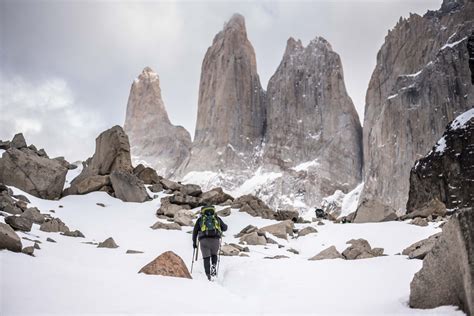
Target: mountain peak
(237, 21)
(147, 75)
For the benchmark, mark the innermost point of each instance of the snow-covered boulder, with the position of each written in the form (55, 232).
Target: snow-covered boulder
(447, 275)
(167, 264)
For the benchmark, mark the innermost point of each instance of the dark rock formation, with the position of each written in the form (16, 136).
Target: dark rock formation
(446, 174)
(447, 275)
(152, 136)
(420, 83)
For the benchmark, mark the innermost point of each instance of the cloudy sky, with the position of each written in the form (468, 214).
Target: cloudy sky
(67, 66)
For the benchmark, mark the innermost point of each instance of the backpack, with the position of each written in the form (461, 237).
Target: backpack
(210, 225)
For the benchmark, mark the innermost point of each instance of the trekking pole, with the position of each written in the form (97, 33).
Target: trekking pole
(192, 260)
(219, 257)
(197, 252)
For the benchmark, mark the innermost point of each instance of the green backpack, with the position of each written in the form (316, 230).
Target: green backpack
(210, 225)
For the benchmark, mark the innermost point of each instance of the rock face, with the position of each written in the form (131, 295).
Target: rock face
(446, 174)
(231, 106)
(167, 264)
(447, 275)
(311, 119)
(152, 136)
(29, 171)
(421, 82)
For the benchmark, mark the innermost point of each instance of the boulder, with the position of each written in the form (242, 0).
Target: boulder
(229, 250)
(224, 212)
(181, 199)
(128, 187)
(280, 230)
(253, 239)
(254, 206)
(19, 223)
(247, 230)
(184, 218)
(39, 176)
(277, 257)
(167, 226)
(75, 233)
(419, 222)
(9, 239)
(307, 230)
(328, 253)
(10, 209)
(282, 215)
(29, 251)
(170, 185)
(54, 225)
(421, 248)
(373, 210)
(92, 184)
(191, 189)
(108, 243)
(18, 141)
(215, 196)
(156, 188)
(360, 249)
(169, 209)
(131, 251)
(447, 275)
(167, 264)
(147, 175)
(433, 208)
(50, 239)
(5, 144)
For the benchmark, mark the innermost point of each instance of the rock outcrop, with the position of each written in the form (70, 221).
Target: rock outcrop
(31, 171)
(446, 174)
(421, 82)
(152, 136)
(167, 264)
(447, 275)
(231, 107)
(312, 124)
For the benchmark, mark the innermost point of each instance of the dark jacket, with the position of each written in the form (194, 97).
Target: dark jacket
(197, 229)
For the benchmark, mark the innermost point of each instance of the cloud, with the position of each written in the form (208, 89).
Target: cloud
(48, 115)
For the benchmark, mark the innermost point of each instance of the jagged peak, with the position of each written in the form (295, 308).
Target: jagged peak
(293, 45)
(320, 42)
(147, 74)
(237, 21)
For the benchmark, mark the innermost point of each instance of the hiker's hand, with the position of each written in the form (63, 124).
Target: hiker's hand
(194, 246)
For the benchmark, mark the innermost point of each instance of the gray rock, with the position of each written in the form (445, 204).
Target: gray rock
(167, 226)
(280, 230)
(36, 246)
(224, 212)
(419, 222)
(128, 187)
(18, 141)
(406, 110)
(277, 257)
(296, 252)
(374, 211)
(170, 185)
(421, 248)
(307, 230)
(283, 215)
(34, 215)
(9, 239)
(247, 230)
(229, 250)
(19, 223)
(75, 233)
(11, 209)
(131, 251)
(54, 225)
(50, 239)
(360, 249)
(5, 144)
(328, 253)
(156, 188)
(253, 239)
(147, 175)
(92, 183)
(183, 218)
(24, 169)
(180, 199)
(215, 196)
(21, 197)
(152, 136)
(191, 189)
(169, 209)
(254, 206)
(447, 275)
(108, 243)
(432, 208)
(29, 251)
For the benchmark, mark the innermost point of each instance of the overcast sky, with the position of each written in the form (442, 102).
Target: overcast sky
(67, 66)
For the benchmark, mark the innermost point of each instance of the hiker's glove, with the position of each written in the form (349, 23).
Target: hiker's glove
(194, 245)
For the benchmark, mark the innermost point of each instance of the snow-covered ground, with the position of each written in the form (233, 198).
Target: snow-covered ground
(73, 278)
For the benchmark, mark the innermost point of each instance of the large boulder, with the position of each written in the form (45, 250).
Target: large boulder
(169, 209)
(147, 174)
(280, 230)
(360, 249)
(306, 231)
(108, 243)
(166, 226)
(191, 189)
(253, 238)
(54, 225)
(421, 248)
(18, 141)
(445, 174)
(181, 199)
(19, 223)
(128, 187)
(254, 206)
(92, 184)
(184, 218)
(447, 275)
(328, 253)
(167, 264)
(215, 196)
(9, 239)
(26, 170)
(34, 215)
(373, 211)
(431, 208)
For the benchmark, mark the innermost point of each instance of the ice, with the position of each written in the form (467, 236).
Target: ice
(461, 120)
(306, 165)
(258, 180)
(451, 45)
(440, 146)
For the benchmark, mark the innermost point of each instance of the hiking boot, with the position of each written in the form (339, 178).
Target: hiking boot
(209, 277)
(213, 270)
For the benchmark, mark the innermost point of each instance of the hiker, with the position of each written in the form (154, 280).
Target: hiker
(208, 230)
